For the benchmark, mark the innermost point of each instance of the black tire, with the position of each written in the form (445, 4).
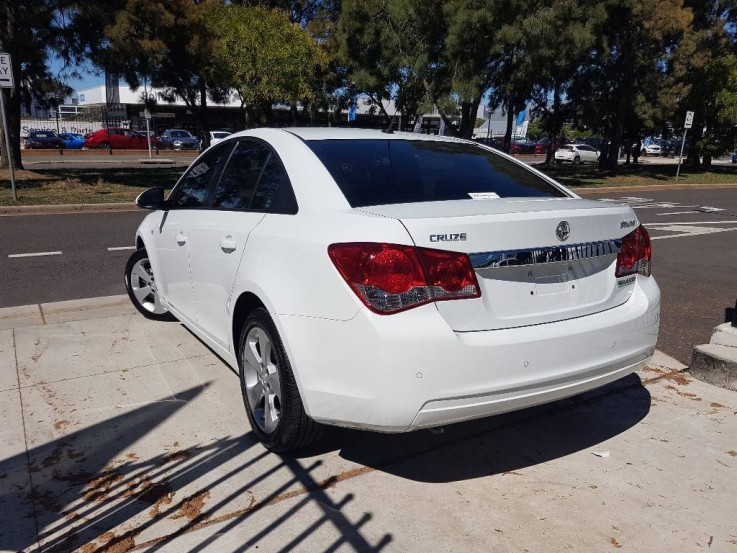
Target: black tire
(576, 160)
(103, 146)
(130, 287)
(294, 429)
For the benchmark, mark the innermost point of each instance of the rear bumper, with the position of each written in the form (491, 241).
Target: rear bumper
(410, 370)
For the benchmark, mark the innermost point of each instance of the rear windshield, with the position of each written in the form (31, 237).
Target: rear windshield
(220, 134)
(377, 172)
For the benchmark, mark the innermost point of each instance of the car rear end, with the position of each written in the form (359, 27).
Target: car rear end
(503, 290)
(566, 152)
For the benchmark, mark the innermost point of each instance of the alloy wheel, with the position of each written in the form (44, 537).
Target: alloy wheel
(143, 287)
(263, 385)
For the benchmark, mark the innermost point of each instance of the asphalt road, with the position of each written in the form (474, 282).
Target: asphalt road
(694, 258)
(84, 269)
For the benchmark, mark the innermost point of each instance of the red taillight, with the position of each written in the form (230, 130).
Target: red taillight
(635, 255)
(389, 278)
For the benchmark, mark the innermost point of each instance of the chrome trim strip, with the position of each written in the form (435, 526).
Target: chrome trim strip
(539, 256)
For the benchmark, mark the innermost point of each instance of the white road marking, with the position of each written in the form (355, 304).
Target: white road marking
(36, 254)
(691, 223)
(676, 213)
(121, 248)
(705, 231)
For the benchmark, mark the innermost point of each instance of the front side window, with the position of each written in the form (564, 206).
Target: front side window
(191, 192)
(381, 171)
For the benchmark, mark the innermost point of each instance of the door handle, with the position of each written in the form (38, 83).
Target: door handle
(181, 239)
(228, 245)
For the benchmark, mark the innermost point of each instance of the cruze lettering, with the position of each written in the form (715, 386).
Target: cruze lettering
(448, 237)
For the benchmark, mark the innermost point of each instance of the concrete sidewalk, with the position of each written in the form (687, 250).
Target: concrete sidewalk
(121, 434)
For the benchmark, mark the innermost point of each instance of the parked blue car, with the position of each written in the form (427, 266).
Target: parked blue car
(72, 141)
(734, 157)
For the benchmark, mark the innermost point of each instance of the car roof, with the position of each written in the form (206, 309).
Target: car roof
(341, 133)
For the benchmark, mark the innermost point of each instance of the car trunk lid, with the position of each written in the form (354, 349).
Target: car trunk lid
(529, 271)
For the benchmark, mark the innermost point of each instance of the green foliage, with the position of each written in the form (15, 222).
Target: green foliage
(263, 56)
(32, 32)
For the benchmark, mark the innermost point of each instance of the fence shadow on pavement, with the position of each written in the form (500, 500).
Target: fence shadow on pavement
(503, 443)
(90, 493)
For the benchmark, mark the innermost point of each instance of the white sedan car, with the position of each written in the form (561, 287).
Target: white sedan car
(218, 136)
(651, 149)
(576, 153)
(392, 281)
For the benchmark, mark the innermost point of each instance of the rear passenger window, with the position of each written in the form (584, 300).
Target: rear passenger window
(254, 179)
(272, 179)
(238, 182)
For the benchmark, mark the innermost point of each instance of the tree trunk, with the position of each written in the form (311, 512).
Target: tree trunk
(694, 148)
(203, 121)
(468, 118)
(555, 126)
(510, 126)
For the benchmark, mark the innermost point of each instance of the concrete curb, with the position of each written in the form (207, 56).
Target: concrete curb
(61, 209)
(65, 311)
(716, 362)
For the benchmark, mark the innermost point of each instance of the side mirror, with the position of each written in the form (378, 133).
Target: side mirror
(153, 198)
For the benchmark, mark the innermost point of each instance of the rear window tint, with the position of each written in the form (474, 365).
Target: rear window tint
(377, 172)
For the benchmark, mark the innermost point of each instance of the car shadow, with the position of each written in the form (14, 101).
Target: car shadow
(499, 444)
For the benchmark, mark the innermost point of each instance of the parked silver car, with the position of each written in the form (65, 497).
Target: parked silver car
(178, 139)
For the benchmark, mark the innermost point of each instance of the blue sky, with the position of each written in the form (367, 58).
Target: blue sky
(87, 78)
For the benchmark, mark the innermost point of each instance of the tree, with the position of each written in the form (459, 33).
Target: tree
(703, 74)
(412, 51)
(170, 44)
(252, 42)
(617, 92)
(32, 31)
(562, 33)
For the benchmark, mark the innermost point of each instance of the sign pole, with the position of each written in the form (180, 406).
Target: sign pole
(6, 81)
(7, 145)
(686, 125)
(147, 116)
(683, 143)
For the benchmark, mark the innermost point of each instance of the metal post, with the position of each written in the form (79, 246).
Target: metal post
(7, 145)
(683, 142)
(148, 137)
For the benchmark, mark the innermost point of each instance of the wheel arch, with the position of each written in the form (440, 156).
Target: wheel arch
(247, 301)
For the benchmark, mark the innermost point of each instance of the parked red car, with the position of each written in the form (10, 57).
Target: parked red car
(118, 139)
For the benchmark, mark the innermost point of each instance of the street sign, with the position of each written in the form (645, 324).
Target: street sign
(689, 120)
(146, 114)
(6, 71)
(6, 81)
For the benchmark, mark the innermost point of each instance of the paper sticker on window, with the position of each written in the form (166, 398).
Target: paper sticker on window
(484, 195)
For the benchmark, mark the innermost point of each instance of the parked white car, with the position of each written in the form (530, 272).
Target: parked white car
(576, 153)
(651, 149)
(392, 281)
(218, 136)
